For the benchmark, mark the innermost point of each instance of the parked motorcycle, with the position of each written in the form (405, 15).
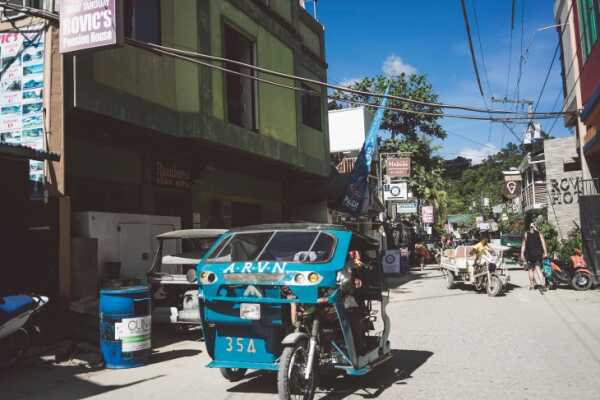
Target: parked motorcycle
(573, 272)
(16, 326)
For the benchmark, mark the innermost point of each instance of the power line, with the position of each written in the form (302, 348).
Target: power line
(191, 57)
(443, 115)
(471, 49)
(547, 77)
(323, 84)
(483, 63)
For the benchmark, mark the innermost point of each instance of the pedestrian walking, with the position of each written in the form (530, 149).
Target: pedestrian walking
(533, 253)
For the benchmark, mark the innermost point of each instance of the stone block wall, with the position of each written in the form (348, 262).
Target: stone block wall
(563, 183)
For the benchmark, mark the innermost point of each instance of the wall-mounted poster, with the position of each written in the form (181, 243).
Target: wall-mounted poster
(22, 91)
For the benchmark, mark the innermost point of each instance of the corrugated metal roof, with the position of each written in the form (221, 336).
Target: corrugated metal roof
(19, 151)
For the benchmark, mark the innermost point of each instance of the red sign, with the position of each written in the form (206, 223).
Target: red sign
(88, 24)
(398, 167)
(168, 174)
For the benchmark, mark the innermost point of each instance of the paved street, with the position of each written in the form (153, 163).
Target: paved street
(449, 344)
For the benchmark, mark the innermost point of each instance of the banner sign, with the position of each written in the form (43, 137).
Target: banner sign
(427, 215)
(355, 192)
(22, 92)
(398, 167)
(406, 208)
(89, 24)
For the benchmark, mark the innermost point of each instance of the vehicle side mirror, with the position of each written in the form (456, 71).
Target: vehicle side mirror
(191, 275)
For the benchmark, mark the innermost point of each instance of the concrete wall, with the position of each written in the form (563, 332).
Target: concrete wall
(563, 187)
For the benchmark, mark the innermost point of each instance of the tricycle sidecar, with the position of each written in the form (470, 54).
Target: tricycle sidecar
(490, 275)
(295, 298)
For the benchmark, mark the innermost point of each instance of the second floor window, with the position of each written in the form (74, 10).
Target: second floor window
(240, 92)
(311, 108)
(589, 24)
(142, 20)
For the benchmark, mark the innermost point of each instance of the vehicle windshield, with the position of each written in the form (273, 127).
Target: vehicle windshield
(282, 246)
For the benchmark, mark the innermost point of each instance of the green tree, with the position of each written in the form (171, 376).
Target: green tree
(409, 132)
(482, 180)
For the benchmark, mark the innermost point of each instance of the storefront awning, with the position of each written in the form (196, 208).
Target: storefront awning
(26, 153)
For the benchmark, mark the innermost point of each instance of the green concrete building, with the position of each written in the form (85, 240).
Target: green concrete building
(149, 133)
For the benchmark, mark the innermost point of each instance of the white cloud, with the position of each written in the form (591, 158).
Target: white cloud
(394, 66)
(480, 154)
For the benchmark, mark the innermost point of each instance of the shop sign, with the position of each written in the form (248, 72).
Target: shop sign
(21, 92)
(398, 167)
(90, 24)
(395, 191)
(427, 215)
(406, 208)
(511, 189)
(169, 174)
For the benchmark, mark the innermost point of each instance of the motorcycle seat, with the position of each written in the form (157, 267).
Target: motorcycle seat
(14, 305)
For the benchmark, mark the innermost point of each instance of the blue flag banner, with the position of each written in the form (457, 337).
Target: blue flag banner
(358, 186)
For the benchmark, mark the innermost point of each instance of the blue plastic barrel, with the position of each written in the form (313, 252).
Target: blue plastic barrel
(125, 326)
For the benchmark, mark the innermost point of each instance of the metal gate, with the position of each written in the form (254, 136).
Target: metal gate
(589, 209)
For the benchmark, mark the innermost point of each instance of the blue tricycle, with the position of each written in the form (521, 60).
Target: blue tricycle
(301, 300)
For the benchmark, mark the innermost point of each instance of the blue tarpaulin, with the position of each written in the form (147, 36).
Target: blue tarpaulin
(356, 191)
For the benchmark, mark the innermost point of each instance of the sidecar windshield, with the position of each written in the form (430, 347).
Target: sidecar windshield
(282, 246)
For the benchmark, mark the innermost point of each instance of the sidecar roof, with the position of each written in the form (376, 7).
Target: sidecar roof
(356, 236)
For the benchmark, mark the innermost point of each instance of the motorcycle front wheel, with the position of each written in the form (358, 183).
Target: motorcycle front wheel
(581, 281)
(291, 381)
(494, 286)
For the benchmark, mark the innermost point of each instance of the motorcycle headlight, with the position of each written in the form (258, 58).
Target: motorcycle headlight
(313, 277)
(207, 277)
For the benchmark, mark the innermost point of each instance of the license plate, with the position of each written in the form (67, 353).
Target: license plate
(250, 311)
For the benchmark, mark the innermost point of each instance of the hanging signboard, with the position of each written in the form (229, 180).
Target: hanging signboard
(398, 167)
(21, 92)
(427, 215)
(395, 191)
(511, 189)
(406, 208)
(90, 24)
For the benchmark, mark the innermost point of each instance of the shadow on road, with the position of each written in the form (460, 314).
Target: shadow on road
(54, 382)
(395, 372)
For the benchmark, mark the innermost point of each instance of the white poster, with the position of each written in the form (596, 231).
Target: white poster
(21, 91)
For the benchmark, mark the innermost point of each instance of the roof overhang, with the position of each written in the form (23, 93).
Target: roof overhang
(26, 153)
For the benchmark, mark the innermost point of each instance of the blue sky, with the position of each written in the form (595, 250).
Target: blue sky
(429, 37)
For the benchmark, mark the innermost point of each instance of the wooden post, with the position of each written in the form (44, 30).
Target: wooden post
(64, 248)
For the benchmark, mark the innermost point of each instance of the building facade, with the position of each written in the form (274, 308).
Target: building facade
(579, 30)
(551, 183)
(141, 133)
(169, 137)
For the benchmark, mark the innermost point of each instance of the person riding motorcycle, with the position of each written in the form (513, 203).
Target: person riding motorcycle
(481, 250)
